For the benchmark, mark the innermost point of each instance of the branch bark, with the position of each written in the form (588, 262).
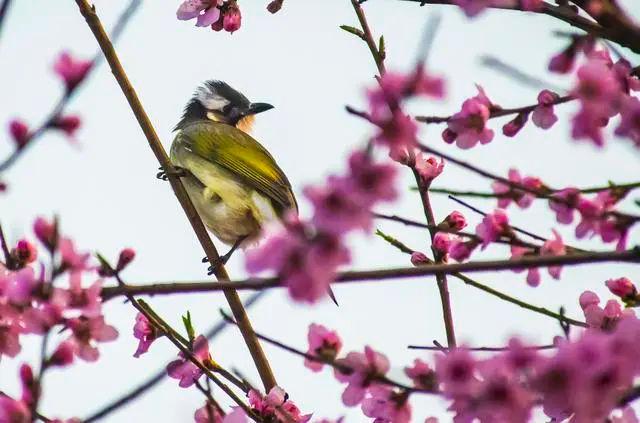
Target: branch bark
(259, 358)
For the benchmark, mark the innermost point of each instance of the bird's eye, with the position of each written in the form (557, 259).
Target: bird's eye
(226, 109)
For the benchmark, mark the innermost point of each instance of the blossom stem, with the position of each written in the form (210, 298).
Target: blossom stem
(259, 358)
(479, 194)
(368, 37)
(441, 279)
(178, 340)
(474, 283)
(362, 276)
(545, 193)
(496, 112)
(623, 33)
(159, 375)
(343, 368)
(480, 349)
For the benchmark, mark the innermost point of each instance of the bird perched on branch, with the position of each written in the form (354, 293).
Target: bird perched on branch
(233, 181)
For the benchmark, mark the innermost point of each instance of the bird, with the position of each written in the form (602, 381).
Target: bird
(234, 183)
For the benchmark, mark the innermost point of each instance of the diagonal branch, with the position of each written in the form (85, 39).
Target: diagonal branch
(259, 358)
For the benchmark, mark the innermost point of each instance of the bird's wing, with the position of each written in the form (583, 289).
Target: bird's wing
(242, 155)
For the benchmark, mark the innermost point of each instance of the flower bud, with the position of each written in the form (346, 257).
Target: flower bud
(67, 124)
(63, 355)
(514, 126)
(455, 221)
(46, 232)
(24, 253)
(441, 242)
(274, 6)
(622, 287)
(232, 18)
(419, 259)
(19, 132)
(126, 256)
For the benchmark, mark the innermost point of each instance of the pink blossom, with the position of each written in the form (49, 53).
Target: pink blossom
(306, 264)
(30, 388)
(207, 12)
(87, 332)
(628, 416)
(67, 124)
(442, 242)
(71, 258)
(622, 287)
(126, 256)
(336, 210)
(455, 221)
(456, 372)
(276, 406)
(46, 232)
(468, 126)
(533, 274)
(398, 132)
(598, 317)
(20, 132)
(88, 301)
(422, 375)
(543, 115)
(506, 193)
(564, 61)
(237, 415)
(419, 259)
(145, 332)
(494, 225)
(630, 120)
(565, 205)
(208, 414)
(232, 17)
(386, 405)
(71, 70)
(9, 339)
(428, 167)
(323, 343)
(363, 369)
(13, 411)
(63, 355)
(532, 5)
(554, 247)
(186, 371)
(460, 250)
(511, 128)
(472, 8)
(24, 253)
(369, 181)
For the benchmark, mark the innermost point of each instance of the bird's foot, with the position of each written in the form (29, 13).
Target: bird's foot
(222, 260)
(177, 171)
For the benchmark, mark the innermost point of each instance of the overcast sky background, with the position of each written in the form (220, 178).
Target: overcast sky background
(106, 194)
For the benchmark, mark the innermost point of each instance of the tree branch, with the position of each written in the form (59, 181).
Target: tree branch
(259, 358)
(361, 276)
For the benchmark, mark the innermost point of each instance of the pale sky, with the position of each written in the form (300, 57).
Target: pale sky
(107, 196)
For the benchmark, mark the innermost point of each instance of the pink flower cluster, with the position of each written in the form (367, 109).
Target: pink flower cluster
(605, 318)
(218, 14)
(306, 255)
(274, 407)
(583, 379)
(469, 126)
(397, 130)
(185, 370)
(32, 302)
(603, 89)
(507, 194)
(597, 215)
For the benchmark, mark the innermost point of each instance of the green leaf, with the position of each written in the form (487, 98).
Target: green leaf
(188, 325)
(382, 48)
(351, 30)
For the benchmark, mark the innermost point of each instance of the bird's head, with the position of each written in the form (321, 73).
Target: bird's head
(217, 101)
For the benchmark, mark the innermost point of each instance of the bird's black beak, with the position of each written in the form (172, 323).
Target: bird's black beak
(256, 108)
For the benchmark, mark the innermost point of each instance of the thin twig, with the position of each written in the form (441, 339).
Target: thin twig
(60, 106)
(159, 375)
(627, 187)
(341, 367)
(4, 8)
(259, 358)
(491, 291)
(481, 349)
(363, 276)
(495, 113)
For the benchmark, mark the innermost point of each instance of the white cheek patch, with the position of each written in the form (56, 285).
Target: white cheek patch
(210, 100)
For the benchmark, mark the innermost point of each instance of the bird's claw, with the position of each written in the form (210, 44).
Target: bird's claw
(222, 260)
(178, 172)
